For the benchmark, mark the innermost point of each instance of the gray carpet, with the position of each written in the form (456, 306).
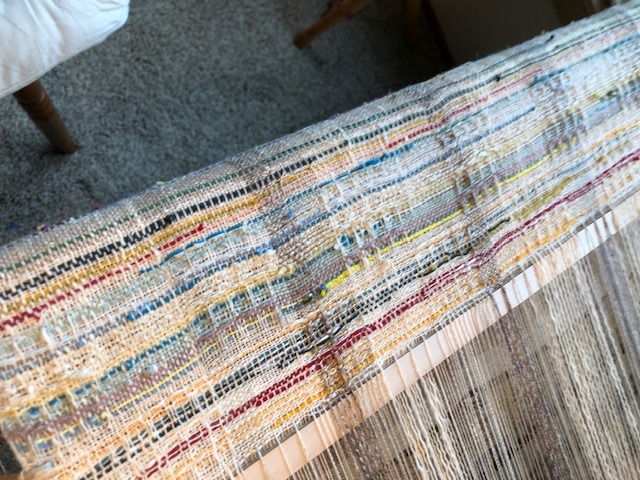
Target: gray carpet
(186, 83)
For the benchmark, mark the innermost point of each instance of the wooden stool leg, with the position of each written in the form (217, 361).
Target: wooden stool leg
(36, 102)
(339, 12)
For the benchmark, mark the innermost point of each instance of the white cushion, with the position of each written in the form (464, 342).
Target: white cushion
(37, 35)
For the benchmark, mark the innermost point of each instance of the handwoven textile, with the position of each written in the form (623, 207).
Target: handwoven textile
(214, 323)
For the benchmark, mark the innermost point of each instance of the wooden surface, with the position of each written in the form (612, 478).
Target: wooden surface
(338, 11)
(36, 102)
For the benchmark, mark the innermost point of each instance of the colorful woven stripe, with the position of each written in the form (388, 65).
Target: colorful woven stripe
(199, 324)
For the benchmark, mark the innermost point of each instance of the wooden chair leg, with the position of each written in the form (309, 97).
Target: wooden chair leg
(338, 12)
(36, 102)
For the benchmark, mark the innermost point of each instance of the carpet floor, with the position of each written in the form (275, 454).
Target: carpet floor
(186, 83)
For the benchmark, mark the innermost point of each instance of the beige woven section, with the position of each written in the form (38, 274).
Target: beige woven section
(547, 392)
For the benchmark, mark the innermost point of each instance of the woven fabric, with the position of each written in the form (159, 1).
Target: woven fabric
(197, 325)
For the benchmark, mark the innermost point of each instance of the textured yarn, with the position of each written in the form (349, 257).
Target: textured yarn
(192, 329)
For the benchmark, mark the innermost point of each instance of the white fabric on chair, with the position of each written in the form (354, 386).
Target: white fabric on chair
(37, 35)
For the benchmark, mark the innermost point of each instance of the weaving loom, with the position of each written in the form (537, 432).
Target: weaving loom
(444, 283)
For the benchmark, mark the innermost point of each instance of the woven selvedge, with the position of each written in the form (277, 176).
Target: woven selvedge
(195, 325)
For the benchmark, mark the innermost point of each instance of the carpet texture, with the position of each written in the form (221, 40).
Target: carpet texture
(187, 83)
